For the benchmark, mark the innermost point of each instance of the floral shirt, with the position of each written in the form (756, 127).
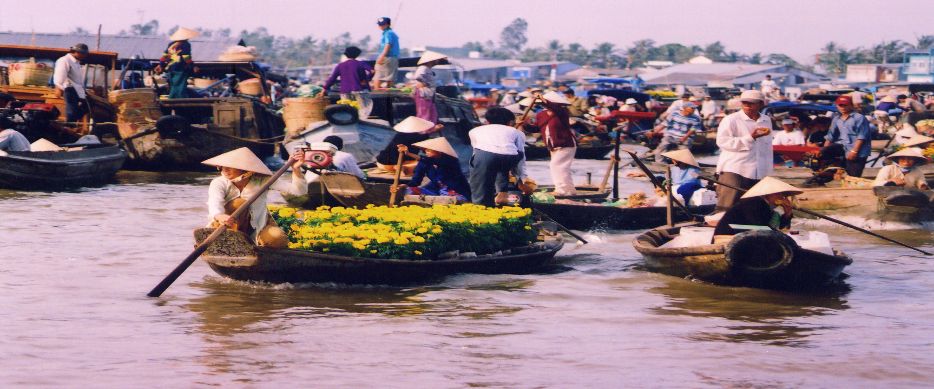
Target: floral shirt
(177, 57)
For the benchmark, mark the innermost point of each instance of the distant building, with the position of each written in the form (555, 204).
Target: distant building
(147, 47)
(743, 75)
(920, 66)
(700, 59)
(874, 73)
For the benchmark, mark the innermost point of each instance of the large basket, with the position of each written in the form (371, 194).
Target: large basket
(301, 111)
(236, 57)
(250, 87)
(30, 73)
(202, 83)
(143, 95)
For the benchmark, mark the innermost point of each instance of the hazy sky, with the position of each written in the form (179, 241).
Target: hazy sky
(795, 27)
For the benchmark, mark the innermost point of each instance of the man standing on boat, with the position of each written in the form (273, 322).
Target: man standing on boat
(354, 80)
(745, 141)
(69, 82)
(387, 63)
(850, 130)
(677, 131)
(555, 126)
(498, 149)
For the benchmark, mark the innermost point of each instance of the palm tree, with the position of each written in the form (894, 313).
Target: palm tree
(925, 42)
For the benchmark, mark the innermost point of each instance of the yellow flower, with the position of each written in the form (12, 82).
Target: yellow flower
(286, 212)
(418, 239)
(417, 252)
(401, 241)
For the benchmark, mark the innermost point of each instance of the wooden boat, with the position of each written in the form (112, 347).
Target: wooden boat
(538, 153)
(904, 204)
(58, 170)
(588, 216)
(767, 259)
(584, 193)
(342, 189)
(232, 255)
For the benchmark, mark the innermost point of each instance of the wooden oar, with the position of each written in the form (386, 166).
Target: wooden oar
(395, 180)
(169, 279)
(828, 218)
(544, 215)
(657, 184)
(614, 163)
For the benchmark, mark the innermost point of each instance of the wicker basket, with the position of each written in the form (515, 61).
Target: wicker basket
(145, 95)
(298, 112)
(202, 83)
(250, 87)
(236, 57)
(30, 73)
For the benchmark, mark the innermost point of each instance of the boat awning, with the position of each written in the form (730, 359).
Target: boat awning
(104, 58)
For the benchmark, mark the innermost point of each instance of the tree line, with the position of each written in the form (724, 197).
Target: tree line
(285, 51)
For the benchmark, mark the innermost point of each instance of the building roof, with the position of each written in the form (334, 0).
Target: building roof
(149, 47)
(696, 74)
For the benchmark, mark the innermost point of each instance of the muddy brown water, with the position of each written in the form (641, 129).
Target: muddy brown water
(76, 267)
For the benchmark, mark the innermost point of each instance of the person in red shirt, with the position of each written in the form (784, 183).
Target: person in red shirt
(554, 124)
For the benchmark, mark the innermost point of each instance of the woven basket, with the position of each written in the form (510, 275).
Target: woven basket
(202, 83)
(143, 95)
(30, 73)
(301, 111)
(236, 57)
(250, 87)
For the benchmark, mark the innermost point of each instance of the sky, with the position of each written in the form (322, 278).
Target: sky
(798, 28)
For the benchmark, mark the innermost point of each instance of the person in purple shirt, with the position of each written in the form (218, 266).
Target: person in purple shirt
(354, 80)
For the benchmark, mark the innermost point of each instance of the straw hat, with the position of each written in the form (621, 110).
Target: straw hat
(889, 99)
(438, 144)
(526, 101)
(44, 145)
(413, 124)
(771, 185)
(631, 101)
(525, 94)
(183, 34)
(683, 156)
(908, 152)
(751, 96)
(555, 98)
(430, 56)
(918, 140)
(242, 159)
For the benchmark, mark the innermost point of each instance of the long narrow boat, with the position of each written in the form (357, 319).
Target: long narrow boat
(766, 259)
(537, 153)
(589, 216)
(904, 204)
(58, 170)
(233, 256)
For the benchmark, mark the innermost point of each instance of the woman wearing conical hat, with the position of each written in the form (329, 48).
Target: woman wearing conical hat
(440, 166)
(904, 169)
(176, 62)
(686, 180)
(409, 131)
(767, 203)
(242, 175)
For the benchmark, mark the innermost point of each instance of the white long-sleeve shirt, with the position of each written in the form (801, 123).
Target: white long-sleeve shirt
(342, 162)
(500, 139)
(913, 179)
(68, 73)
(739, 152)
(222, 190)
(785, 138)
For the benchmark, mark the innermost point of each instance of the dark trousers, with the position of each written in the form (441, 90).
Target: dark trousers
(74, 107)
(178, 84)
(855, 167)
(726, 197)
(489, 173)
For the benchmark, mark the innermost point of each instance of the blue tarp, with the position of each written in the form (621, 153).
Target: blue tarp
(792, 106)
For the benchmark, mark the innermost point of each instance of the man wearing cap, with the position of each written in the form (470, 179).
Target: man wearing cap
(387, 63)
(903, 171)
(677, 131)
(355, 77)
(676, 105)
(555, 127)
(789, 136)
(69, 82)
(176, 62)
(242, 176)
(498, 149)
(757, 208)
(745, 141)
(850, 130)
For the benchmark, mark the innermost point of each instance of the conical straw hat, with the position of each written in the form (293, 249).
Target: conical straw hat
(242, 159)
(771, 185)
(44, 145)
(918, 140)
(524, 94)
(429, 56)
(439, 144)
(183, 34)
(413, 124)
(556, 98)
(526, 101)
(683, 156)
(909, 152)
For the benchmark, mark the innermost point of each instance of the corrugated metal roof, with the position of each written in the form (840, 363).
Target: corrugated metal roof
(717, 70)
(149, 47)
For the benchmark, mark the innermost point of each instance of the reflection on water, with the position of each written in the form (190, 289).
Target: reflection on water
(754, 315)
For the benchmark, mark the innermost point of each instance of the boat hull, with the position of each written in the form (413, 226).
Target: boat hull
(185, 152)
(234, 257)
(586, 217)
(52, 170)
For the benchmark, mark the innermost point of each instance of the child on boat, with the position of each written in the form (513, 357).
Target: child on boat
(242, 175)
(767, 203)
(685, 181)
(903, 171)
(441, 167)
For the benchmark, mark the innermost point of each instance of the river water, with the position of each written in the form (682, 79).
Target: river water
(76, 268)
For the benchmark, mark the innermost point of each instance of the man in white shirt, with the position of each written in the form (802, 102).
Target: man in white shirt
(498, 149)
(69, 82)
(768, 86)
(745, 141)
(709, 110)
(789, 136)
(343, 161)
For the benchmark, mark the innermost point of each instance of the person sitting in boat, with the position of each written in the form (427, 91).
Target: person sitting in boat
(409, 131)
(242, 175)
(685, 181)
(441, 167)
(341, 160)
(767, 203)
(12, 140)
(790, 135)
(903, 170)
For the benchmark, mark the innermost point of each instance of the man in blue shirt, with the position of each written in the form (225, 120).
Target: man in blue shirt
(678, 130)
(850, 130)
(387, 63)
